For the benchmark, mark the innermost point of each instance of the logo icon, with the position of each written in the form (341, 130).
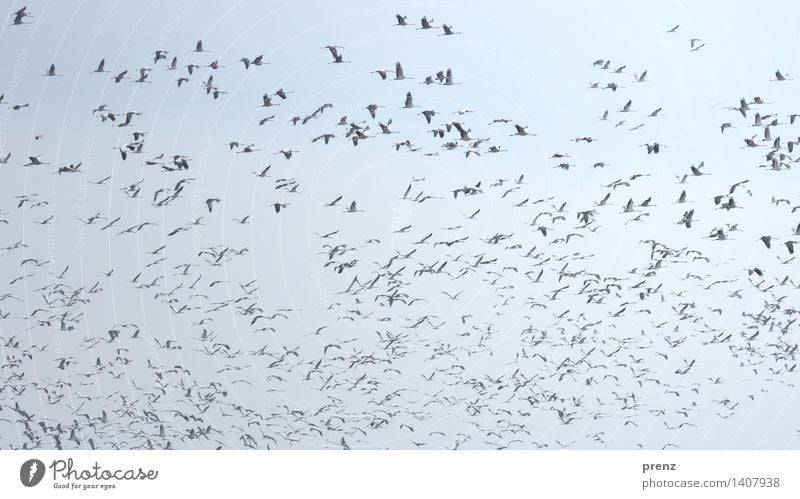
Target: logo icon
(31, 472)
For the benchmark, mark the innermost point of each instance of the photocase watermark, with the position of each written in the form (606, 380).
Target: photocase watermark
(20, 64)
(82, 196)
(67, 475)
(31, 472)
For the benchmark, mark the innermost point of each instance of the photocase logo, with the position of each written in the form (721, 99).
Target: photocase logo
(31, 472)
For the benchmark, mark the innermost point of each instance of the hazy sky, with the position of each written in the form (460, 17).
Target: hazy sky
(530, 62)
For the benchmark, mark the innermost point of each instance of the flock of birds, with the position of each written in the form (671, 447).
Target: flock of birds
(453, 336)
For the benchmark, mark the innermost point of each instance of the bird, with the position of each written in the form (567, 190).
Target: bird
(448, 30)
(383, 73)
(100, 67)
(352, 208)
(694, 45)
(428, 114)
(199, 47)
(654, 113)
(283, 94)
(372, 108)
(35, 161)
(52, 71)
(266, 101)
(20, 15)
(326, 137)
(653, 148)
(522, 131)
(402, 20)
(210, 203)
(287, 153)
(337, 57)
(426, 23)
(333, 203)
(159, 55)
(409, 102)
(780, 76)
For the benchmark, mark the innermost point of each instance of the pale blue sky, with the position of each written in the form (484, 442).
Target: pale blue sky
(527, 61)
